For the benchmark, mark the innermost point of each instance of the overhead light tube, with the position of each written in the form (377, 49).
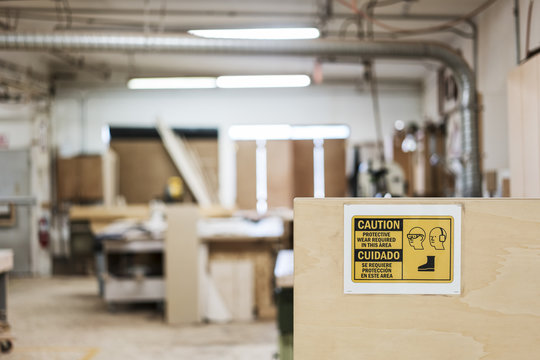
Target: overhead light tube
(224, 82)
(289, 132)
(172, 83)
(259, 34)
(262, 81)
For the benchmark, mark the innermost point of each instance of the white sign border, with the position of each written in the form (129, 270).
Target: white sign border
(350, 287)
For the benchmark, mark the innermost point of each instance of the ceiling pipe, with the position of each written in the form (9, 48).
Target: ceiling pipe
(471, 174)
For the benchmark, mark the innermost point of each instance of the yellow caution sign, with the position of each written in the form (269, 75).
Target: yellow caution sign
(417, 248)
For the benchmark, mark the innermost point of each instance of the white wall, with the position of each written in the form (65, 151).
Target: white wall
(16, 125)
(80, 115)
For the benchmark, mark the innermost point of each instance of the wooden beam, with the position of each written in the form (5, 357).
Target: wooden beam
(182, 265)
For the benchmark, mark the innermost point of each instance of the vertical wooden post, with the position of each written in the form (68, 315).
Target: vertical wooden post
(181, 265)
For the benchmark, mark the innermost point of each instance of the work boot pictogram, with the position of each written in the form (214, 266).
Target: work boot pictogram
(429, 265)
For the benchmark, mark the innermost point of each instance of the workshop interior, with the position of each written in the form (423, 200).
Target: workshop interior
(309, 179)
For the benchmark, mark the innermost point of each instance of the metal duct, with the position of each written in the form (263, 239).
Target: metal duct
(471, 176)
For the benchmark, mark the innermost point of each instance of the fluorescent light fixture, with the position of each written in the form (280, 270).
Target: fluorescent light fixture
(262, 81)
(309, 132)
(172, 83)
(226, 82)
(259, 34)
(288, 132)
(260, 132)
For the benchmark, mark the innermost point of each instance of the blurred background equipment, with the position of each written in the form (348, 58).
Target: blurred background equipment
(174, 190)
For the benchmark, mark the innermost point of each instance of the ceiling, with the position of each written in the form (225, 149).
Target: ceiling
(162, 16)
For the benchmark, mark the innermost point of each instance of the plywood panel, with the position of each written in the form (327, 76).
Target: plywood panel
(110, 177)
(144, 167)
(80, 178)
(280, 163)
(206, 151)
(335, 181)
(303, 168)
(531, 127)
(497, 316)
(515, 131)
(181, 265)
(246, 177)
(234, 281)
(90, 177)
(262, 255)
(67, 179)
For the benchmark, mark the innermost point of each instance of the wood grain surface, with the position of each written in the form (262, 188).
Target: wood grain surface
(497, 315)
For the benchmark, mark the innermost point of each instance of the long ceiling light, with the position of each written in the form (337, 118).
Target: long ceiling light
(289, 132)
(225, 82)
(172, 83)
(262, 81)
(259, 34)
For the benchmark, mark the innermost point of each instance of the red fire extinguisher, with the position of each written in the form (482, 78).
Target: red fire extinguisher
(43, 232)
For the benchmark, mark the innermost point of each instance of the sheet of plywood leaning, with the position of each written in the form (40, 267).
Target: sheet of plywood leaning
(497, 315)
(524, 128)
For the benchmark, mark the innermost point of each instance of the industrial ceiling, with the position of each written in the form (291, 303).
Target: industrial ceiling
(335, 19)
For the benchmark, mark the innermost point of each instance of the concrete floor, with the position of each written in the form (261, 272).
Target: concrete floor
(63, 318)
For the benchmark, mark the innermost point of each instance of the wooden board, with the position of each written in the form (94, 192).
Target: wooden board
(524, 128)
(110, 177)
(109, 213)
(497, 316)
(80, 178)
(262, 255)
(182, 265)
(303, 168)
(234, 281)
(246, 177)
(531, 126)
(280, 173)
(145, 167)
(67, 179)
(186, 164)
(207, 153)
(515, 126)
(335, 179)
